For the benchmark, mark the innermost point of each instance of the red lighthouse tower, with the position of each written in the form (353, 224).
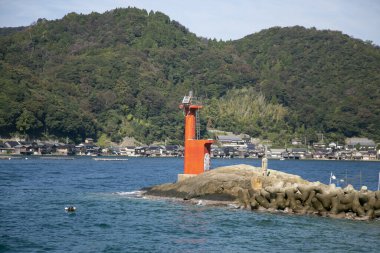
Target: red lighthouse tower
(197, 152)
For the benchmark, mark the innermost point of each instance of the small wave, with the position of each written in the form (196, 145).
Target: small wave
(200, 203)
(233, 206)
(132, 194)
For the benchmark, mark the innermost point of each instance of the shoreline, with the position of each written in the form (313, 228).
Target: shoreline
(5, 156)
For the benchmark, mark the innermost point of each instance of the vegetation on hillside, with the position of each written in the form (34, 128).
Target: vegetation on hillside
(124, 72)
(329, 81)
(246, 111)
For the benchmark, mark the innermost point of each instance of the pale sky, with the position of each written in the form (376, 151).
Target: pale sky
(219, 19)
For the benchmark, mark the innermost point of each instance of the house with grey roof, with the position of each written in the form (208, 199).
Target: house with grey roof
(277, 152)
(231, 141)
(8, 147)
(361, 143)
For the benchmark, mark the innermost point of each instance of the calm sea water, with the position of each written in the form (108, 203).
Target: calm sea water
(110, 218)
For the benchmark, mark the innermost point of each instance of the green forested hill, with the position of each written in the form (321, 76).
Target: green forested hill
(124, 72)
(328, 80)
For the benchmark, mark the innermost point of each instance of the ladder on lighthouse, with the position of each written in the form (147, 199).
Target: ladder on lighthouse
(197, 125)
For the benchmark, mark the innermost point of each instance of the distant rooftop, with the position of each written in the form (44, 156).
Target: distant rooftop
(361, 141)
(228, 138)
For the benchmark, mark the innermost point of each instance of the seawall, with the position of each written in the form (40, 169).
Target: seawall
(246, 187)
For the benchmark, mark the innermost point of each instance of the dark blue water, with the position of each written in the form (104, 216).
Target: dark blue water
(34, 193)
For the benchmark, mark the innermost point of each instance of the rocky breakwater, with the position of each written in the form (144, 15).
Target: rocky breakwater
(244, 186)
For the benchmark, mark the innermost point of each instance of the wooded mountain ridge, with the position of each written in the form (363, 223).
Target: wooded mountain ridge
(124, 72)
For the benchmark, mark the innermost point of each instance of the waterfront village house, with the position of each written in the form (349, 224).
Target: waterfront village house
(217, 152)
(65, 149)
(38, 148)
(128, 151)
(87, 149)
(277, 152)
(251, 147)
(369, 155)
(335, 146)
(345, 155)
(173, 150)
(141, 151)
(231, 141)
(3, 149)
(24, 149)
(154, 151)
(298, 153)
(9, 147)
(357, 155)
(320, 154)
(43, 148)
(231, 152)
(362, 143)
(253, 151)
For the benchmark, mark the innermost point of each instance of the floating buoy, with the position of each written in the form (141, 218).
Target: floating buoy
(70, 209)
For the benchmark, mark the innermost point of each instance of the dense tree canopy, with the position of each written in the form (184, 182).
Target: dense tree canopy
(123, 73)
(328, 80)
